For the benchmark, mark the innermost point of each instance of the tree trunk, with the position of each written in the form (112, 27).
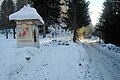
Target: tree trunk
(6, 34)
(6, 19)
(74, 35)
(14, 33)
(44, 31)
(74, 22)
(2, 31)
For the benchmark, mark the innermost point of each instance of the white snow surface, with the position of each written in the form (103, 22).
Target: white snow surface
(26, 13)
(58, 58)
(111, 48)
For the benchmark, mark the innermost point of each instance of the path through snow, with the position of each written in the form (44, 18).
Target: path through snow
(107, 63)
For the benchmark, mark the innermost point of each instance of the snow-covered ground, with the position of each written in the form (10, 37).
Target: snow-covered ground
(57, 58)
(111, 48)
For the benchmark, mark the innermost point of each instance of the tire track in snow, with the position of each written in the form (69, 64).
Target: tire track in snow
(115, 60)
(106, 60)
(91, 71)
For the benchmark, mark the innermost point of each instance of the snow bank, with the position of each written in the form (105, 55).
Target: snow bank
(13, 60)
(26, 13)
(91, 39)
(111, 48)
(57, 31)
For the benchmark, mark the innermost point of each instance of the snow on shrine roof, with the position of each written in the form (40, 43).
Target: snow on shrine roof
(26, 13)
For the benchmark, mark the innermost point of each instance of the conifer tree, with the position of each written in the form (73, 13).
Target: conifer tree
(110, 21)
(3, 13)
(20, 4)
(7, 8)
(49, 10)
(78, 15)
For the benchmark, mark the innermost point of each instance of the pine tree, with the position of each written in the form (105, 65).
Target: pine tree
(78, 15)
(49, 10)
(11, 9)
(10, 6)
(7, 8)
(4, 14)
(21, 3)
(110, 21)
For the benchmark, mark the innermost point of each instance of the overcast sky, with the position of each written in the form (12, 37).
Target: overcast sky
(95, 8)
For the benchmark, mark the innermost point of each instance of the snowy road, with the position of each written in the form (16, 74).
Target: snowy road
(57, 59)
(107, 63)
